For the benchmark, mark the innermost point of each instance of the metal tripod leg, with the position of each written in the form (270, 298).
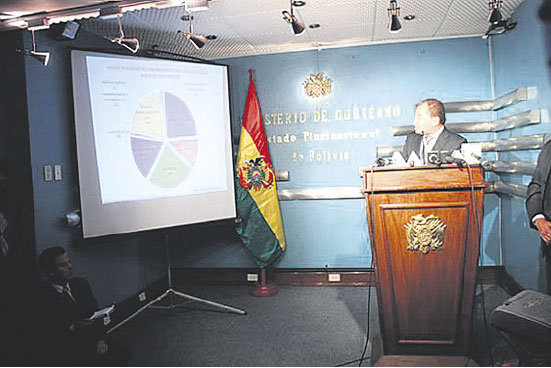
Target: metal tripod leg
(171, 293)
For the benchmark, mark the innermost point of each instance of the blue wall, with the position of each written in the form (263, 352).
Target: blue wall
(329, 233)
(334, 233)
(520, 61)
(38, 131)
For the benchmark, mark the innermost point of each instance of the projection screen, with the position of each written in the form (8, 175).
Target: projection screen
(153, 142)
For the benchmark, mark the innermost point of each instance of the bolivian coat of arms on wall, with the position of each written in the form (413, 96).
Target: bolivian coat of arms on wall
(317, 85)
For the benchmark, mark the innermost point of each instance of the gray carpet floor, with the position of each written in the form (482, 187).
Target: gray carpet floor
(300, 326)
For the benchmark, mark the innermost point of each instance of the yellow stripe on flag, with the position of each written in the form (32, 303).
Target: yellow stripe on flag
(265, 198)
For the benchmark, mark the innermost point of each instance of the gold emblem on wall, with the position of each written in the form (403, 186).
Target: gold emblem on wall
(317, 85)
(425, 234)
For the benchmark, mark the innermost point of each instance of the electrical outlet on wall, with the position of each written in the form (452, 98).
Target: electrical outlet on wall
(252, 277)
(334, 277)
(57, 172)
(48, 176)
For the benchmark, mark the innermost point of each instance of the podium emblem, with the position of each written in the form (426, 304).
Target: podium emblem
(425, 234)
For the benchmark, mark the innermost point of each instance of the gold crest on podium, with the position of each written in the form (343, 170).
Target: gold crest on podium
(425, 234)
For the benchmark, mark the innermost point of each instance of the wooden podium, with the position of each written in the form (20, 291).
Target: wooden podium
(424, 225)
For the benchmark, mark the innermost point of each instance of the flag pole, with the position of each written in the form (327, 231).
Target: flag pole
(263, 288)
(261, 229)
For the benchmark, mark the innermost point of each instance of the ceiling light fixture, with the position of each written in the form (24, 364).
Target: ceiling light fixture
(72, 16)
(42, 56)
(38, 24)
(394, 12)
(15, 23)
(196, 40)
(196, 5)
(103, 10)
(131, 44)
(163, 4)
(111, 12)
(494, 14)
(500, 28)
(298, 27)
(498, 25)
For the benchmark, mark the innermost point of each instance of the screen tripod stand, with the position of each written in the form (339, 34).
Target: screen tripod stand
(171, 293)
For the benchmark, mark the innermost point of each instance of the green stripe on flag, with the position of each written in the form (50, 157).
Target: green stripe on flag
(255, 232)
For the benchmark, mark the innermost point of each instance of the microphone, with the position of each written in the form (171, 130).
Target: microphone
(453, 159)
(383, 161)
(486, 164)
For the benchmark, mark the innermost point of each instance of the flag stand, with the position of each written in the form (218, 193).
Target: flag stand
(263, 288)
(171, 293)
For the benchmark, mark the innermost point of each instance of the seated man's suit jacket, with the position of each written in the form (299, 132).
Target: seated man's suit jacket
(57, 343)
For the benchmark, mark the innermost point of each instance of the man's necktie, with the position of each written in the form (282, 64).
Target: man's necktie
(67, 295)
(427, 139)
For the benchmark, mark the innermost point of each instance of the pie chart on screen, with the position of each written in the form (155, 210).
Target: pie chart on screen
(164, 139)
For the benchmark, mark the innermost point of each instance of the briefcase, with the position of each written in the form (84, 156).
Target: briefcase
(527, 314)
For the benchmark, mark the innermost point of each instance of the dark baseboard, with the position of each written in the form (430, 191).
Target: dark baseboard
(488, 275)
(508, 283)
(279, 276)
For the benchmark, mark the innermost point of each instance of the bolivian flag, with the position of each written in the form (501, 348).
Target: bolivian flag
(260, 228)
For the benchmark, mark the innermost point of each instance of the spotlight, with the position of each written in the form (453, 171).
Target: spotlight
(110, 12)
(132, 44)
(196, 40)
(394, 12)
(70, 30)
(42, 56)
(298, 27)
(494, 14)
(38, 24)
(500, 28)
(196, 5)
(498, 25)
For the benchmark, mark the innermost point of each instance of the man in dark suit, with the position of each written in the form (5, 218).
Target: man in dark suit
(538, 205)
(538, 196)
(65, 335)
(430, 134)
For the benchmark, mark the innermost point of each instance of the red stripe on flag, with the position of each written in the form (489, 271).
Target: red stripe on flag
(252, 121)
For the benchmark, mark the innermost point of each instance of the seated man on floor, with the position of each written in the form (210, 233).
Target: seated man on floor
(65, 334)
